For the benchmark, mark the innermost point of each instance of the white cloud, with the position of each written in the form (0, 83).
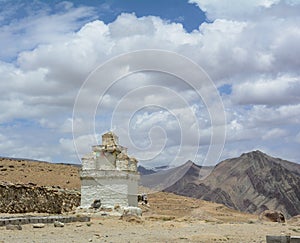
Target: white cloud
(263, 115)
(233, 9)
(279, 91)
(275, 133)
(297, 139)
(84, 144)
(19, 148)
(253, 46)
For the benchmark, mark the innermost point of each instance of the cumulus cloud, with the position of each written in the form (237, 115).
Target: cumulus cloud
(274, 134)
(252, 47)
(235, 9)
(277, 91)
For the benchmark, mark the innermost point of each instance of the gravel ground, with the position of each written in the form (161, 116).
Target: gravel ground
(112, 229)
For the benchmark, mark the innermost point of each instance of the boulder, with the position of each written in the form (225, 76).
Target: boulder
(96, 204)
(58, 224)
(38, 226)
(132, 211)
(273, 216)
(13, 227)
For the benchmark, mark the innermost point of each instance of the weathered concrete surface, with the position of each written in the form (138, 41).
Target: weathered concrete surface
(108, 174)
(278, 239)
(283, 239)
(295, 239)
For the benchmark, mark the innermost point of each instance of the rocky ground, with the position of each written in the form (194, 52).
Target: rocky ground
(167, 218)
(163, 229)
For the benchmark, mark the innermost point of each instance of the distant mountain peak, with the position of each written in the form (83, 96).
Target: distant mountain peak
(254, 153)
(189, 163)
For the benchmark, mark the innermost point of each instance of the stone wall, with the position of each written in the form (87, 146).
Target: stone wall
(19, 198)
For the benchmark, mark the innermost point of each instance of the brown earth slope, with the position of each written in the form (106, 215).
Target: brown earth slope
(25, 171)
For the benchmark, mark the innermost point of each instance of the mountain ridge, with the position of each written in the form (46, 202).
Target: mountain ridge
(251, 183)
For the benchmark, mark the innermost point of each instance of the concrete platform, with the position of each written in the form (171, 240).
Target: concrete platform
(42, 219)
(282, 239)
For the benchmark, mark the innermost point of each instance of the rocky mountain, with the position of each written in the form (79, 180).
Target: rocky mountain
(145, 171)
(188, 172)
(251, 183)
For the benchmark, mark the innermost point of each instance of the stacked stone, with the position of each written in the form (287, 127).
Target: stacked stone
(20, 198)
(42, 220)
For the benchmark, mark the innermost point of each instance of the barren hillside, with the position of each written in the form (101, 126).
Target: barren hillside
(41, 173)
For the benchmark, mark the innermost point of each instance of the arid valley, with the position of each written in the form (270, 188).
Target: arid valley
(166, 218)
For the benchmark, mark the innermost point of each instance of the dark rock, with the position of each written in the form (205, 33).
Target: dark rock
(273, 216)
(96, 204)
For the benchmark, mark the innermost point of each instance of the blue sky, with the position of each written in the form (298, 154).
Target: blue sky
(172, 10)
(175, 11)
(51, 49)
